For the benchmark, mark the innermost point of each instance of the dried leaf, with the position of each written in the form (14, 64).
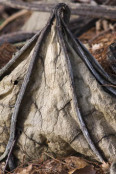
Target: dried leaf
(86, 170)
(97, 46)
(105, 166)
(6, 52)
(76, 162)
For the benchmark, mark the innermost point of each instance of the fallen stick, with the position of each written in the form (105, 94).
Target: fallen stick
(98, 11)
(11, 18)
(16, 37)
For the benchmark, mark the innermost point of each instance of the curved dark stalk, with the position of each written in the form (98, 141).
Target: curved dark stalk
(83, 126)
(23, 90)
(96, 69)
(17, 58)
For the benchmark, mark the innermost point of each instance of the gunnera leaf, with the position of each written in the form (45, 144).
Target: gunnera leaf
(58, 96)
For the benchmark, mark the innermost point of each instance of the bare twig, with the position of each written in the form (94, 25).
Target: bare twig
(114, 86)
(98, 11)
(54, 158)
(13, 17)
(16, 37)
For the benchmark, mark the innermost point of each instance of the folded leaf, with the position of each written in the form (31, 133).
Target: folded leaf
(58, 96)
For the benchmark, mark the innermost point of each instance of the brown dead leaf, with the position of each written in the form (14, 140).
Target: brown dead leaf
(27, 170)
(2, 165)
(66, 165)
(99, 46)
(75, 162)
(6, 52)
(51, 166)
(86, 170)
(105, 166)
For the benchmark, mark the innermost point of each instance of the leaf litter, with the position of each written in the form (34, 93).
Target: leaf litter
(66, 165)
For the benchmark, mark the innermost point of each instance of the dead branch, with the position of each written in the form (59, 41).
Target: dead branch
(13, 17)
(99, 11)
(16, 37)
